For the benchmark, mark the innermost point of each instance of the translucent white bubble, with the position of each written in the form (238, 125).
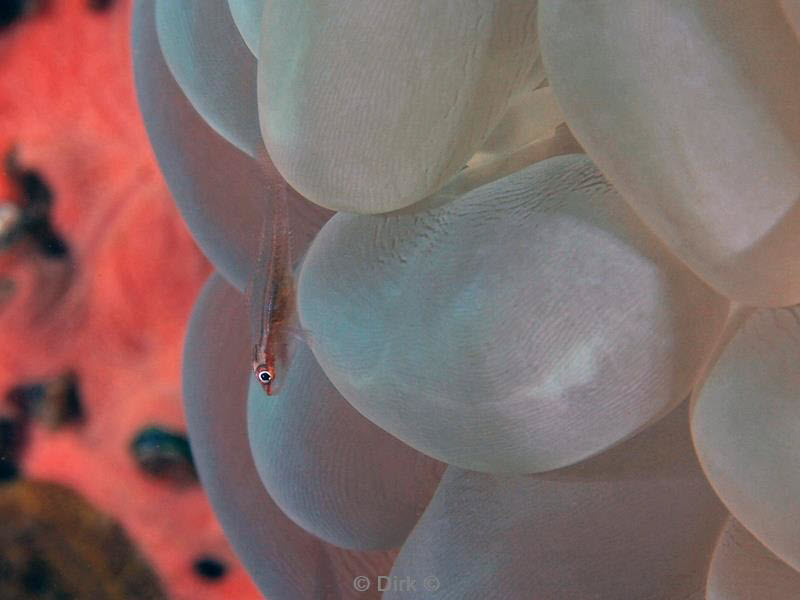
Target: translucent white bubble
(285, 561)
(746, 426)
(211, 63)
(638, 521)
(742, 569)
(371, 106)
(247, 16)
(522, 327)
(692, 110)
(220, 190)
(330, 469)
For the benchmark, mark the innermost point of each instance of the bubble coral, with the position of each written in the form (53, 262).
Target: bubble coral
(557, 221)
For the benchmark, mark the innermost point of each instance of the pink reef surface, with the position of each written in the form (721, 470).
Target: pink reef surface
(118, 315)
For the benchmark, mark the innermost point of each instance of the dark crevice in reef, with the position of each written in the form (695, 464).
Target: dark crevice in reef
(164, 453)
(210, 568)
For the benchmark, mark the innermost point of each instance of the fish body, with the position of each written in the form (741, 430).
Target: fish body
(271, 296)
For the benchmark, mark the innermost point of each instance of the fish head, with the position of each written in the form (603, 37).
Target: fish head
(272, 367)
(266, 375)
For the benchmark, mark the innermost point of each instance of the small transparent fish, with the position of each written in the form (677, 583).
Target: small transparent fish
(271, 299)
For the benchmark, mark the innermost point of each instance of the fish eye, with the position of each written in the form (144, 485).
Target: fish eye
(264, 376)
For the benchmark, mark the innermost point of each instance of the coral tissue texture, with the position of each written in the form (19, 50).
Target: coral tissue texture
(397, 95)
(692, 109)
(521, 327)
(547, 346)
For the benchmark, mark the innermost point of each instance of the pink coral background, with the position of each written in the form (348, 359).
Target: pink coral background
(67, 100)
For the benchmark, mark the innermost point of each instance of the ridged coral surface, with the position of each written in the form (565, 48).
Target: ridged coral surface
(547, 343)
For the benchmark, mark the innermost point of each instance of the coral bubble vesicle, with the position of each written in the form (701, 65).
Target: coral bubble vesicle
(742, 569)
(247, 16)
(524, 326)
(499, 329)
(746, 426)
(286, 562)
(213, 66)
(331, 470)
(636, 522)
(222, 192)
(691, 108)
(369, 106)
